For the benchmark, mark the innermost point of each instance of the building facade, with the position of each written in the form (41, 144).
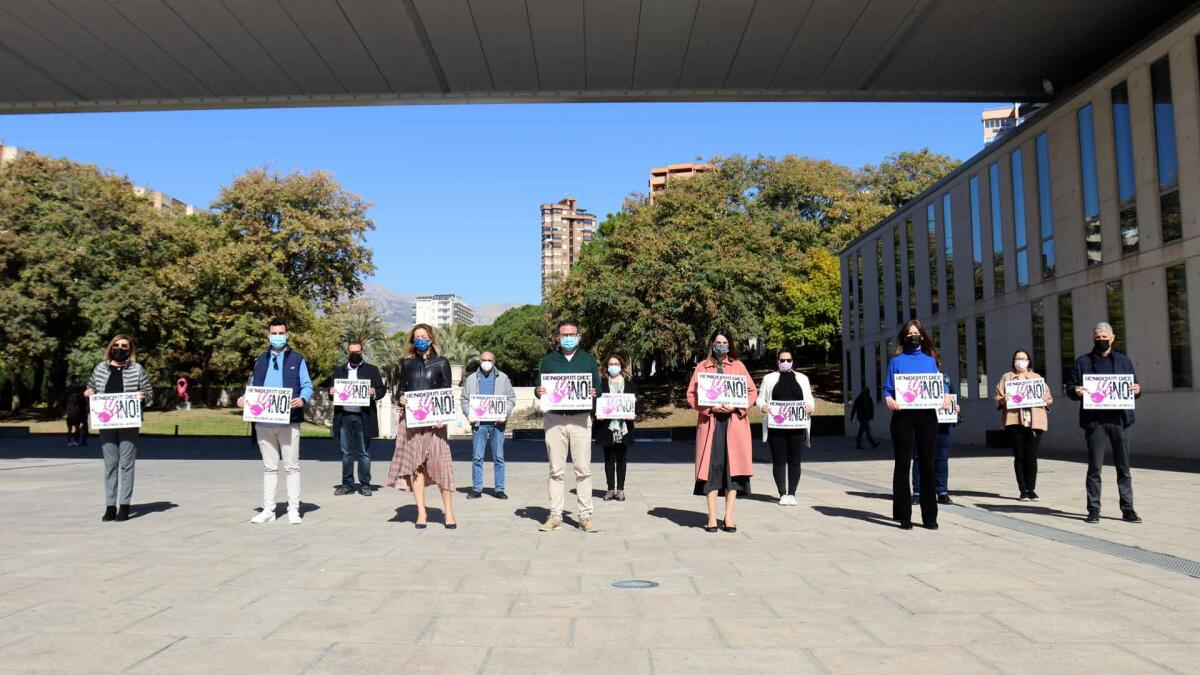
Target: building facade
(164, 202)
(565, 229)
(442, 311)
(660, 177)
(1089, 211)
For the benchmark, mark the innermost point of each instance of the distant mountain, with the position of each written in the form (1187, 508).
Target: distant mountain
(397, 308)
(487, 313)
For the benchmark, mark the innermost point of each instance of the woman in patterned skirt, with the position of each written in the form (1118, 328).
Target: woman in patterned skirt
(423, 454)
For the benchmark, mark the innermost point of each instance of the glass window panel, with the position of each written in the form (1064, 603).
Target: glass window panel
(963, 382)
(1045, 208)
(1177, 322)
(1066, 334)
(1037, 311)
(997, 228)
(1115, 293)
(1020, 235)
(1091, 188)
(931, 222)
(948, 236)
(981, 356)
(1165, 148)
(910, 256)
(1126, 182)
(976, 239)
(879, 276)
(899, 269)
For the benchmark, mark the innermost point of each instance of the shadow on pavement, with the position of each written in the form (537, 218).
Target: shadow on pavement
(870, 495)
(1014, 509)
(866, 516)
(408, 514)
(680, 517)
(139, 510)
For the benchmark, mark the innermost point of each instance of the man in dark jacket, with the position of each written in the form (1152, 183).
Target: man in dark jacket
(354, 426)
(1098, 425)
(864, 410)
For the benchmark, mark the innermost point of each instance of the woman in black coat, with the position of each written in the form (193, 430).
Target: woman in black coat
(615, 436)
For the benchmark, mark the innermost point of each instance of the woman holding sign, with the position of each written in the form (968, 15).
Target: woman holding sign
(119, 373)
(914, 390)
(721, 392)
(783, 430)
(614, 435)
(423, 454)
(1022, 397)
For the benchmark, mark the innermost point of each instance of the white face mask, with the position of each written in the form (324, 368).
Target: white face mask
(1020, 364)
(486, 366)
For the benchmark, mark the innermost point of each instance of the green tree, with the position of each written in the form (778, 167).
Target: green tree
(904, 175)
(456, 347)
(519, 338)
(358, 321)
(810, 307)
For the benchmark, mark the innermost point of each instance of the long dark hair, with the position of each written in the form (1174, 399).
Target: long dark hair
(733, 352)
(927, 345)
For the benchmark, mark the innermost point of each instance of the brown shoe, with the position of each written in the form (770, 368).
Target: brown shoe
(552, 523)
(587, 525)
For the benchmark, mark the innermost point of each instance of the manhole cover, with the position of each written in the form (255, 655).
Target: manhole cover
(635, 583)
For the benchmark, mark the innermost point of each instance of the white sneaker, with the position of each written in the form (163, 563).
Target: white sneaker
(264, 516)
(783, 500)
(294, 517)
(791, 500)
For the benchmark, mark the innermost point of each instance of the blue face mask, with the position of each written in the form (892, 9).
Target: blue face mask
(421, 344)
(614, 370)
(569, 342)
(720, 350)
(278, 341)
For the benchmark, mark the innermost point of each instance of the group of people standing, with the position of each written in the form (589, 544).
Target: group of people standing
(724, 449)
(918, 437)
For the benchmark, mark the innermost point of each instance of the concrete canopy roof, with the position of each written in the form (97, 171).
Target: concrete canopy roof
(92, 55)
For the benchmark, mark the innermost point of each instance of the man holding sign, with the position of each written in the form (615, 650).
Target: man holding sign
(116, 390)
(569, 379)
(279, 368)
(356, 385)
(487, 397)
(1105, 382)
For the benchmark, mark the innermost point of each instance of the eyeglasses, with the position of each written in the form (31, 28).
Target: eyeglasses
(785, 360)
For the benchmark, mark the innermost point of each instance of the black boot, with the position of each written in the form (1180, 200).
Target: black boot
(123, 513)
(110, 513)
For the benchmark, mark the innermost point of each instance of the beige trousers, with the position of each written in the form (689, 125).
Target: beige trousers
(569, 435)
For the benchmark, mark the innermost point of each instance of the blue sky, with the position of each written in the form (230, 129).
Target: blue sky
(456, 189)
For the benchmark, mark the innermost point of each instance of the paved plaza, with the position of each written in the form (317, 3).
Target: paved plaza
(830, 585)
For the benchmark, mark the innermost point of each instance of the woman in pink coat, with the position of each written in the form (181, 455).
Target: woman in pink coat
(723, 448)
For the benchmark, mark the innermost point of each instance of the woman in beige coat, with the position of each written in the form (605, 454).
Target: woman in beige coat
(1025, 426)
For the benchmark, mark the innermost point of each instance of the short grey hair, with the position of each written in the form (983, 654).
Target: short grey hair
(1103, 327)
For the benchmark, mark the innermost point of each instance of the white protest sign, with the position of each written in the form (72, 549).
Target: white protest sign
(428, 407)
(1028, 393)
(115, 411)
(487, 408)
(919, 391)
(1108, 392)
(616, 407)
(715, 390)
(267, 404)
(352, 392)
(567, 391)
(949, 416)
(788, 415)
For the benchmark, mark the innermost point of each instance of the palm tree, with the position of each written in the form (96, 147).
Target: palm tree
(455, 346)
(388, 355)
(360, 322)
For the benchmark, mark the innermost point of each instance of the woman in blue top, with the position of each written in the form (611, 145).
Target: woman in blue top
(913, 429)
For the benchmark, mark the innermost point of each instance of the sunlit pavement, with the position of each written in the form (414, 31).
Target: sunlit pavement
(187, 585)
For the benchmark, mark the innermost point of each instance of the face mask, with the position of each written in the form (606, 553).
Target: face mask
(1100, 346)
(421, 344)
(1020, 364)
(278, 341)
(120, 355)
(486, 366)
(569, 342)
(720, 350)
(614, 371)
(355, 359)
(913, 341)
(785, 366)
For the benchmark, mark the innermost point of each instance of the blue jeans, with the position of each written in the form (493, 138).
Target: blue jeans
(941, 463)
(483, 436)
(355, 448)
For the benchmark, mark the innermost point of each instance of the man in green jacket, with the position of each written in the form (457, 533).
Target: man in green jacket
(569, 432)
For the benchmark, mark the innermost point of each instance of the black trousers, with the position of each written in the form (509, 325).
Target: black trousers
(786, 446)
(1117, 436)
(614, 463)
(914, 429)
(1025, 442)
(864, 428)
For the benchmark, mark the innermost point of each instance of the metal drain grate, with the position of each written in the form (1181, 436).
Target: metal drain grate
(1135, 554)
(635, 583)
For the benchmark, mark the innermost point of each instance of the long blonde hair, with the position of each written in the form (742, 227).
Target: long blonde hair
(411, 352)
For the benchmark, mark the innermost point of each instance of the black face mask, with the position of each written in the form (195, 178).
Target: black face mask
(120, 355)
(913, 341)
(356, 359)
(1100, 346)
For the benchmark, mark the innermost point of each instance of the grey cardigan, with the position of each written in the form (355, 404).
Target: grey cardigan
(135, 377)
(503, 388)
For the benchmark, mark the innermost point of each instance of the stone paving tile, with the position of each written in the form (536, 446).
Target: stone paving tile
(331, 626)
(901, 660)
(767, 633)
(700, 658)
(81, 652)
(246, 622)
(205, 655)
(429, 602)
(612, 634)
(936, 629)
(510, 632)
(1178, 657)
(75, 618)
(1079, 627)
(1064, 659)
(595, 605)
(556, 661)
(356, 657)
